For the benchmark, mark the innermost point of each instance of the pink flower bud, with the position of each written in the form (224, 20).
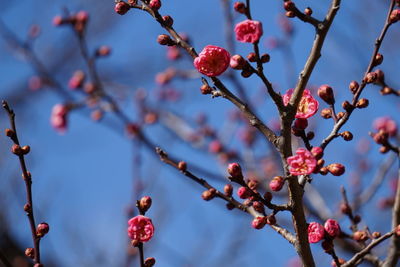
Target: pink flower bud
(394, 16)
(155, 4)
(317, 152)
(308, 105)
(276, 183)
(212, 61)
(140, 228)
(332, 227)
(248, 31)
(121, 8)
(42, 229)
(244, 192)
(237, 62)
(239, 7)
(58, 118)
(259, 222)
(316, 232)
(235, 170)
(302, 163)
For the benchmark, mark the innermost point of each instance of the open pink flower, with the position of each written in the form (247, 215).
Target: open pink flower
(302, 163)
(248, 31)
(332, 227)
(58, 118)
(316, 232)
(140, 228)
(386, 124)
(308, 105)
(212, 61)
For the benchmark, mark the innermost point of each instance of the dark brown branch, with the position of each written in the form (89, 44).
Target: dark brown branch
(339, 124)
(28, 184)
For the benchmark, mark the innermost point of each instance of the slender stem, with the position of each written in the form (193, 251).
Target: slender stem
(360, 255)
(339, 124)
(141, 253)
(28, 184)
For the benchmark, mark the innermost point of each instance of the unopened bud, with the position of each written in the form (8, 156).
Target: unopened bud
(145, 203)
(347, 136)
(244, 192)
(121, 8)
(265, 58)
(268, 196)
(42, 229)
(237, 62)
(290, 14)
(378, 59)
(30, 252)
(235, 170)
(164, 39)
(16, 149)
(336, 169)
(326, 113)
(258, 206)
(27, 208)
(347, 106)
(271, 219)
(353, 86)
(317, 152)
(345, 208)
(168, 21)
(149, 262)
(325, 92)
(276, 183)
(362, 103)
(340, 115)
(252, 57)
(289, 5)
(258, 222)
(394, 16)
(397, 230)
(228, 189)
(308, 11)
(239, 7)
(327, 245)
(370, 77)
(182, 166)
(360, 236)
(208, 194)
(230, 206)
(205, 89)
(376, 235)
(9, 132)
(25, 149)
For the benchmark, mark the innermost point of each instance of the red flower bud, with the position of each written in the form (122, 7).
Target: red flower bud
(235, 170)
(258, 222)
(239, 7)
(121, 8)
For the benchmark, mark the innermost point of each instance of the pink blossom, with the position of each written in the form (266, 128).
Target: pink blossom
(259, 222)
(386, 124)
(140, 228)
(212, 61)
(302, 163)
(332, 227)
(316, 232)
(58, 118)
(248, 31)
(308, 105)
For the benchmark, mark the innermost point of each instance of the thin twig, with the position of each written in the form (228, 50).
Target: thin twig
(28, 184)
(359, 256)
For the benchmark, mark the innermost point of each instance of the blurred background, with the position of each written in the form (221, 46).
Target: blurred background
(86, 180)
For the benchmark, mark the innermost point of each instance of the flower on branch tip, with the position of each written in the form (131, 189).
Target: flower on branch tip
(332, 227)
(308, 105)
(302, 163)
(316, 232)
(248, 31)
(212, 61)
(386, 124)
(140, 228)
